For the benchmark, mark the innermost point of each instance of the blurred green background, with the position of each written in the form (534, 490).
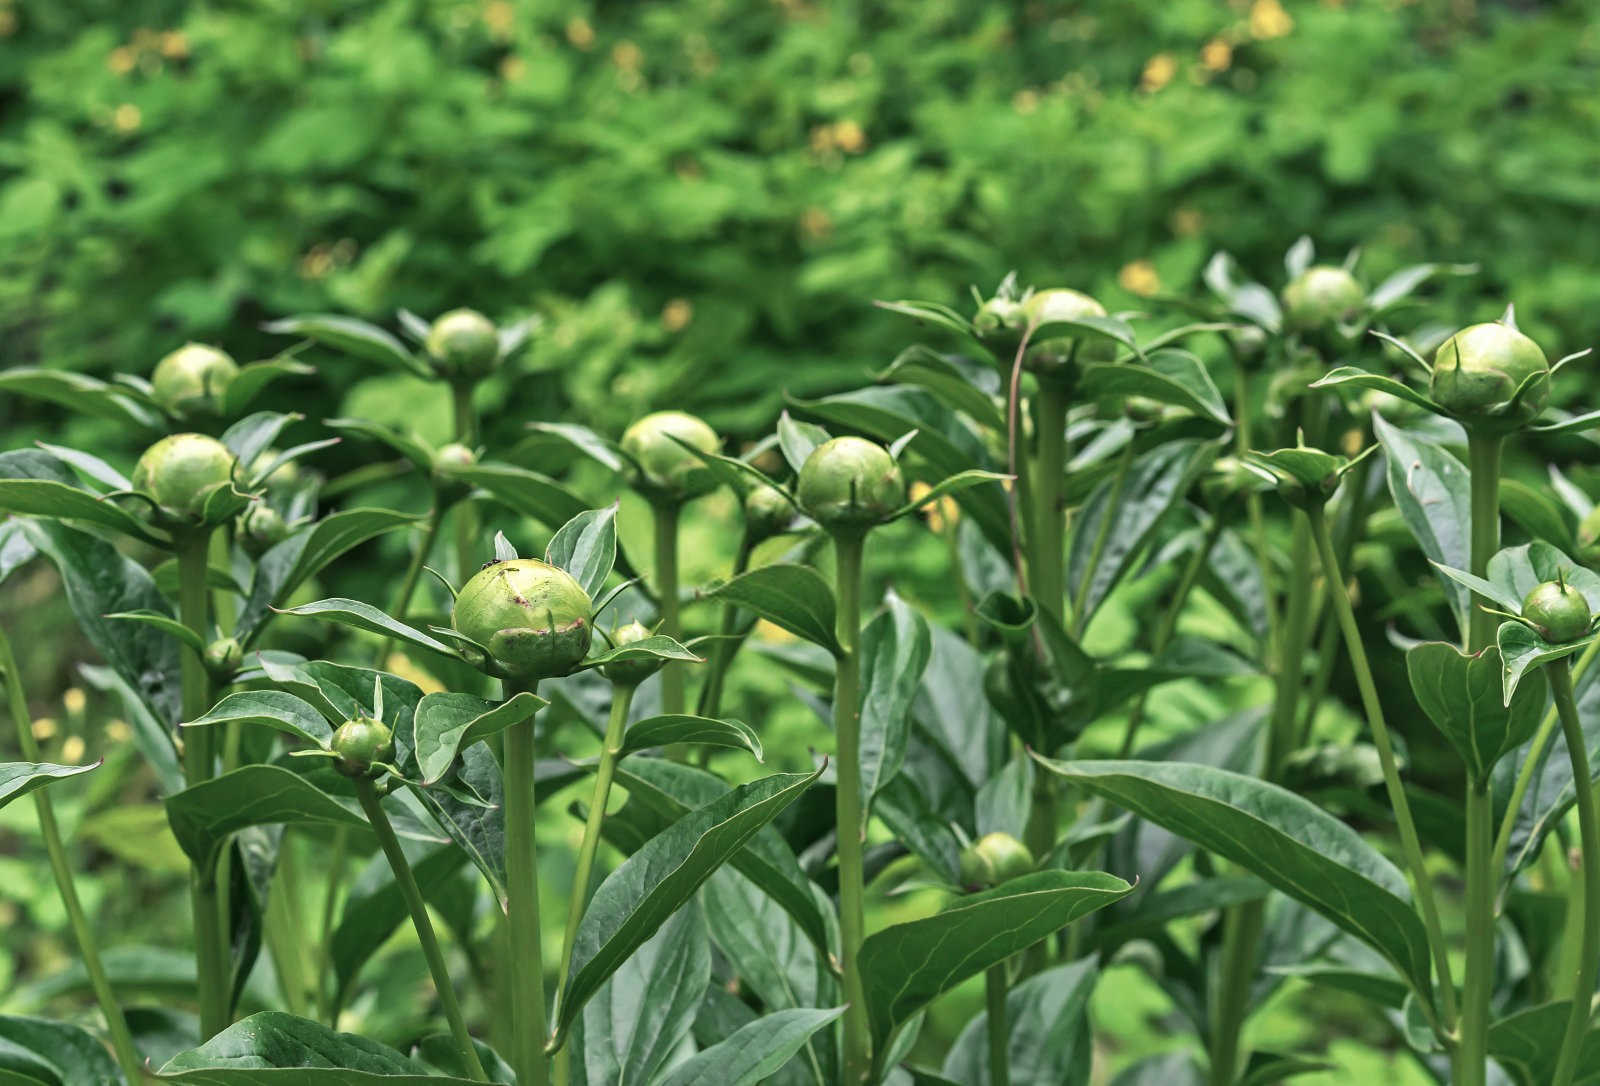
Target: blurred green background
(702, 199)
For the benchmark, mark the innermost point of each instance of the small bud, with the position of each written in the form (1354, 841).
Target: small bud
(850, 484)
(631, 672)
(360, 745)
(222, 659)
(177, 471)
(992, 859)
(1000, 320)
(1056, 355)
(532, 617)
(1321, 297)
(1477, 372)
(1557, 612)
(189, 383)
(448, 463)
(261, 528)
(668, 472)
(1589, 537)
(465, 344)
(766, 512)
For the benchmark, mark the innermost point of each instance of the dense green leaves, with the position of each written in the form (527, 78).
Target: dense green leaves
(753, 1052)
(36, 1050)
(586, 547)
(895, 649)
(1047, 1016)
(291, 563)
(1431, 492)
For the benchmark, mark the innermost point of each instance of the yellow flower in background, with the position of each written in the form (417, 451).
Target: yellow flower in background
(676, 314)
(127, 118)
(1269, 20)
(72, 750)
(580, 33)
(1139, 277)
(1158, 72)
(402, 665)
(1216, 55)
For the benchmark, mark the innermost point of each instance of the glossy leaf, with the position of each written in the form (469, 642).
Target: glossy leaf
(755, 1051)
(205, 815)
(906, 966)
(165, 623)
(654, 647)
(651, 884)
(953, 484)
(1432, 491)
(1461, 693)
(17, 779)
(64, 501)
(791, 596)
(586, 547)
(445, 723)
(272, 1048)
(81, 392)
(39, 1051)
(584, 440)
(1169, 376)
(661, 731)
(1522, 650)
(251, 436)
(364, 616)
(526, 492)
(959, 382)
(895, 648)
(1356, 378)
(798, 439)
(354, 337)
(274, 709)
(1283, 838)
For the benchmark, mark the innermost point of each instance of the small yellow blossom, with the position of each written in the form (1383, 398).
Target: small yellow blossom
(1139, 277)
(127, 118)
(1269, 20)
(1216, 55)
(44, 729)
(74, 700)
(849, 137)
(174, 44)
(676, 314)
(1158, 72)
(72, 750)
(118, 731)
(580, 33)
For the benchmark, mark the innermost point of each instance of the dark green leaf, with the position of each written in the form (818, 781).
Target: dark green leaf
(275, 709)
(797, 440)
(959, 382)
(364, 616)
(407, 445)
(586, 547)
(445, 723)
(277, 1049)
(525, 492)
(1354, 377)
(1526, 1043)
(205, 815)
(584, 440)
(251, 379)
(64, 501)
(894, 653)
(906, 966)
(1461, 694)
(1047, 1016)
(248, 438)
(793, 597)
(17, 779)
(1522, 650)
(953, 484)
(81, 392)
(661, 731)
(353, 337)
(374, 907)
(1170, 376)
(165, 623)
(1005, 800)
(36, 1050)
(654, 647)
(1432, 491)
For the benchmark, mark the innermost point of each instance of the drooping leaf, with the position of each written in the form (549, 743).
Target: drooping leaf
(791, 596)
(364, 616)
(798, 439)
(1005, 800)
(525, 492)
(205, 815)
(274, 709)
(661, 731)
(407, 445)
(754, 1052)
(1461, 694)
(599, 449)
(1522, 650)
(895, 648)
(255, 376)
(906, 966)
(654, 647)
(165, 623)
(1170, 376)
(352, 336)
(633, 902)
(80, 392)
(1283, 838)
(446, 722)
(17, 779)
(586, 547)
(959, 382)
(272, 1048)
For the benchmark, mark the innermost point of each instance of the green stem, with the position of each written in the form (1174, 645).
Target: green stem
(1560, 675)
(408, 584)
(1049, 574)
(726, 647)
(621, 700)
(1483, 456)
(994, 988)
(1472, 1055)
(666, 569)
(368, 795)
(1241, 941)
(1530, 766)
(207, 895)
(1293, 634)
(851, 826)
(526, 967)
(1169, 623)
(466, 422)
(1349, 529)
(1410, 845)
(116, 1024)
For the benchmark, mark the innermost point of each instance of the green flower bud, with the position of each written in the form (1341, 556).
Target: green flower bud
(1227, 479)
(1589, 537)
(260, 528)
(1000, 319)
(532, 617)
(849, 484)
(666, 471)
(766, 512)
(1321, 297)
(1557, 611)
(1055, 356)
(992, 859)
(222, 658)
(631, 672)
(1477, 372)
(190, 382)
(177, 471)
(1248, 341)
(284, 477)
(360, 744)
(448, 464)
(464, 343)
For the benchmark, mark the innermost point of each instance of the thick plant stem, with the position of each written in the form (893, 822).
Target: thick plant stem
(466, 421)
(1483, 455)
(1589, 829)
(116, 1024)
(1530, 765)
(403, 877)
(408, 583)
(1472, 1054)
(666, 570)
(526, 968)
(1241, 939)
(1410, 845)
(851, 826)
(1293, 635)
(621, 700)
(994, 990)
(1169, 623)
(726, 647)
(206, 895)
(1049, 550)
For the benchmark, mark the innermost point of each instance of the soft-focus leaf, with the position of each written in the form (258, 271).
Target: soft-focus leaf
(1170, 376)
(354, 337)
(1461, 694)
(1047, 1016)
(364, 616)
(277, 1049)
(274, 709)
(36, 1050)
(661, 731)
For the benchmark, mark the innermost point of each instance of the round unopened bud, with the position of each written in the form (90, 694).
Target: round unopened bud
(992, 859)
(1589, 537)
(1558, 612)
(1055, 355)
(849, 484)
(1320, 297)
(179, 470)
(662, 469)
(260, 528)
(1478, 371)
(766, 512)
(448, 464)
(360, 745)
(532, 617)
(222, 658)
(463, 343)
(190, 382)
(631, 672)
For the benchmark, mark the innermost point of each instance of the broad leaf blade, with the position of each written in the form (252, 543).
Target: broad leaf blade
(276, 709)
(17, 779)
(895, 648)
(1461, 694)
(793, 597)
(445, 723)
(586, 547)
(1432, 491)
(205, 815)
(364, 616)
(661, 731)
(352, 336)
(755, 1051)
(277, 1049)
